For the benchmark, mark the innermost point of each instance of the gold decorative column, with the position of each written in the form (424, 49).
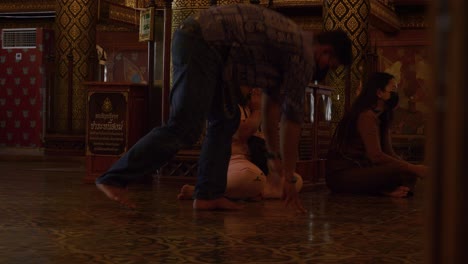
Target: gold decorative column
(184, 8)
(76, 39)
(352, 17)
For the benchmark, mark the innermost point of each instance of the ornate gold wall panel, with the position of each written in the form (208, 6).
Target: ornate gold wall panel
(309, 23)
(28, 24)
(351, 16)
(382, 16)
(184, 8)
(413, 21)
(181, 9)
(121, 11)
(129, 3)
(294, 3)
(133, 3)
(26, 5)
(76, 34)
(124, 14)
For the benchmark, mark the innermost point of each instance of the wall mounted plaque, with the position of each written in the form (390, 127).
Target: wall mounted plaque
(107, 123)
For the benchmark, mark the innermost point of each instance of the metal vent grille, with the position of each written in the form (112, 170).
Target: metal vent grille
(19, 38)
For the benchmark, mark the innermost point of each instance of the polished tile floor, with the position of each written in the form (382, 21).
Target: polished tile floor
(47, 215)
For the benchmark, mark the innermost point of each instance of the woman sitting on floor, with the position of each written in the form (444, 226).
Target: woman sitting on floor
(246, 178)
(361, 159)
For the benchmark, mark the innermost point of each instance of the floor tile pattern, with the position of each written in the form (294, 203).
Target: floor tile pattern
(47, 215)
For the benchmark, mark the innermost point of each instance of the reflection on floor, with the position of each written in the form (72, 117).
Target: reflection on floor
(49, 216)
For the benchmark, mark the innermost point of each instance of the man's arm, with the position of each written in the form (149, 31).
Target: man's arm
(282, 166)
(282, 143)
(290, 136)
(270, 117)
(289, 141)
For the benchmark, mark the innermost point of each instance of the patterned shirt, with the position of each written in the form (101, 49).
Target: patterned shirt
(265, 50)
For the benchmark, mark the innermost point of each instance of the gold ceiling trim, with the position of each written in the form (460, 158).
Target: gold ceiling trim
(27, 5)
(413, 21)
(295, 3)
(124, 14)
(115, 28)
(309, 23)
(383, 17)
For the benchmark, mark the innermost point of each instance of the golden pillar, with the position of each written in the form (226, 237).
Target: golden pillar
(352, 17)
(76, 45)
(184, 8)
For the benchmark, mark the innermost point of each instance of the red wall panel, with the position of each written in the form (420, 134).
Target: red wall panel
(22, 93)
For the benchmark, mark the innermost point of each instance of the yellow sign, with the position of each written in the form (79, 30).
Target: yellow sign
(146, 24)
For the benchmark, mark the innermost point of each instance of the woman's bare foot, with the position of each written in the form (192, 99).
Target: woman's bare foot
(117, 194)
(186, 192)
(217, 204)
(399, 192)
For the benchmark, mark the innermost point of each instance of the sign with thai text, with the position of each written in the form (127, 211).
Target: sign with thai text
(107, 124)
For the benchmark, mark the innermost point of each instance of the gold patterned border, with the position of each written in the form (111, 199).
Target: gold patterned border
(190, 4)
(124, 14)
(276, 3)
(27, 5)
(413, 21)
(106, 27)
(127, 13)
(294, 3)
(383, 18)
(198, 4)
(309, 23)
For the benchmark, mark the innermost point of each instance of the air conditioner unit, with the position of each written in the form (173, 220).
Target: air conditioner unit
(19, 38)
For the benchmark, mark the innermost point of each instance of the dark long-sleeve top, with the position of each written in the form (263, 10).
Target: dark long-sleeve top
(370, 146)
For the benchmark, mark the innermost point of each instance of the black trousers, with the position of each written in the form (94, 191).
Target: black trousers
(369, 180)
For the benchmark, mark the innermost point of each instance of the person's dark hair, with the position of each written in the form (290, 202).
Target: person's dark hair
(340, 42)
(367, 99)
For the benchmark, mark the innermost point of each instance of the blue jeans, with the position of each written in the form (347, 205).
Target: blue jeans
(196, 97)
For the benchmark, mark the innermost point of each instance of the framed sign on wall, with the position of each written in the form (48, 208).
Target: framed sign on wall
(146, 25)
(107, 128)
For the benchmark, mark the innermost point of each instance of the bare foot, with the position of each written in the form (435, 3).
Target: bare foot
(217, 204)
(399, 192)
(117, 194)
(186, 192)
